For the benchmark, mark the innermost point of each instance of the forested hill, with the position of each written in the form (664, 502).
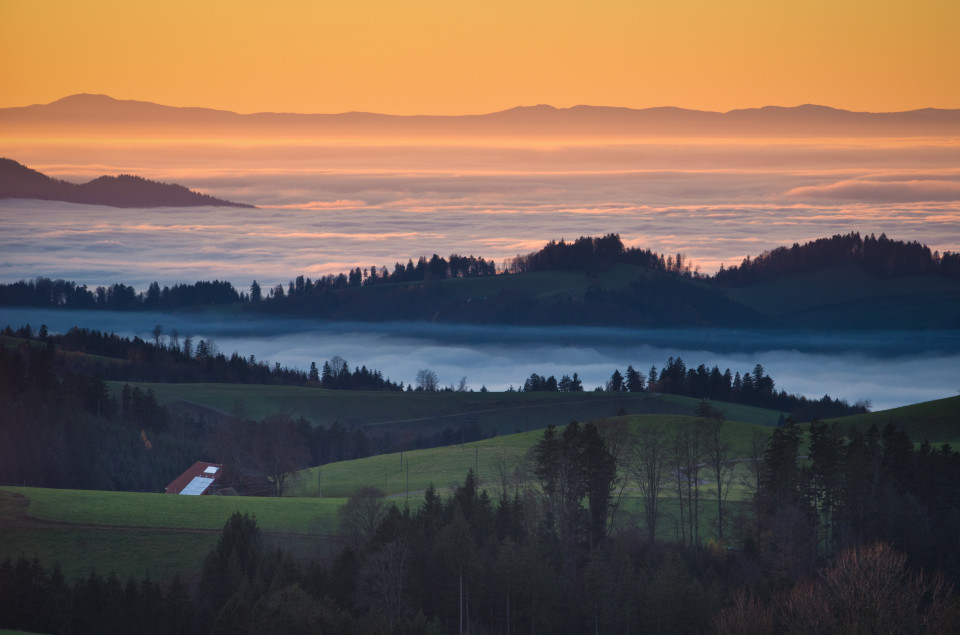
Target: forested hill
(125, 190)
(845, 281)
(881, 257)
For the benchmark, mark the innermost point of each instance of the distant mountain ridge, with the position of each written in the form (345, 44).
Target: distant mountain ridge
(125, 190)
(103, 114)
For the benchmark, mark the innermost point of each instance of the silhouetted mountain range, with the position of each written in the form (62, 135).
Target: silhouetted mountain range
(103, 114)
(125, 190)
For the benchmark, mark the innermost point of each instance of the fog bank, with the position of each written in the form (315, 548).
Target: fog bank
(890, 369)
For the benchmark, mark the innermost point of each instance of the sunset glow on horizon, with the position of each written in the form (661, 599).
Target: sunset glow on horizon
(433, 57)
(667, 186)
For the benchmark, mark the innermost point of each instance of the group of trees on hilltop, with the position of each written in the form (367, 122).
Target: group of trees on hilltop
(44, 292)
(753, 389)
(593, 254)
(542, 383)
(433, 268)
(336, 375)
(881, 256)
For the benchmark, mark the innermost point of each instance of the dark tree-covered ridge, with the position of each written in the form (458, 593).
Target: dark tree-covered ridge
(603, 283)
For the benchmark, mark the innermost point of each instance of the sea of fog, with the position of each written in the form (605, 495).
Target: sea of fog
(891, 368)
(328, 206)
(96, 245)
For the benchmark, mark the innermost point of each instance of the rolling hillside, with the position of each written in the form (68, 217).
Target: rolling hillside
(936, 421)
(402, 412)
(136, 534)
(162, 535)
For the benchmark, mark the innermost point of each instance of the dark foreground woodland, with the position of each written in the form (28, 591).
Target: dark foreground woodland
(862, 536)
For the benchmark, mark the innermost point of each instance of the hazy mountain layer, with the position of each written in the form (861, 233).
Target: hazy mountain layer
(103, 114)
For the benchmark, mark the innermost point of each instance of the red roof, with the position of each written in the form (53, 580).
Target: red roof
(197, 480)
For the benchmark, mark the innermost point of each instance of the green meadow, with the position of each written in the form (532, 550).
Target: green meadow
(493, 461)
(136, 534)
(936, 421)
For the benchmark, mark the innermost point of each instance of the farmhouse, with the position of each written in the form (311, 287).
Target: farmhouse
(199, 479)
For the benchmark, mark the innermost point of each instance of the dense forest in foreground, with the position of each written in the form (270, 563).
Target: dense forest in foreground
(590, 281)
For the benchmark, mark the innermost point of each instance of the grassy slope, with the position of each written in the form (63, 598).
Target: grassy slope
(936, 421)
(490, 458)
(139, 534)
(401, 411)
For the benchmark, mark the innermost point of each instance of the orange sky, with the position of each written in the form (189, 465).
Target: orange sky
(471, 56)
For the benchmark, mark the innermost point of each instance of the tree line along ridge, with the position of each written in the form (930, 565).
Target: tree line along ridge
(881, 256)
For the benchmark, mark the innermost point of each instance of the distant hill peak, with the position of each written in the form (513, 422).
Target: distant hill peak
(124, 190)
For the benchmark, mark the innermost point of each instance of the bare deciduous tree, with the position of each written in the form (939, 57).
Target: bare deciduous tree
(283, 451)
(720, 463)
(648, 460)
(382, 576)
(427, 380)
(362, 513)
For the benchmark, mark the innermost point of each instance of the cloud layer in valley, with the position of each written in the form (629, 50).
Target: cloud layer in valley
(328, 207)
(889, 369)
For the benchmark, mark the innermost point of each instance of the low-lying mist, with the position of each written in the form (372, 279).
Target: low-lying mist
(889, 369)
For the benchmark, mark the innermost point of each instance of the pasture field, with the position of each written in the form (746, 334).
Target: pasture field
(936, 421)
(136, 534)
(408, 413)
(493, 460)
(165, 511)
